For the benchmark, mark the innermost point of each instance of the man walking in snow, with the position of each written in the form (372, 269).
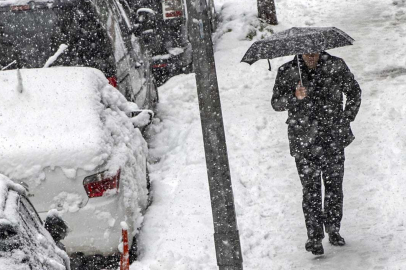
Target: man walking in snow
(319, 130)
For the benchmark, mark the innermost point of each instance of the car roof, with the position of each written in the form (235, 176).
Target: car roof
(51, 117)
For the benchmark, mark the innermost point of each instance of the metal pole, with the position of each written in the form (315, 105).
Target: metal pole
(226, 236)
(300, 73)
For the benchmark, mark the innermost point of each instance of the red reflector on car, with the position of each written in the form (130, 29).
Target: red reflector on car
(159, 65)
(97, 184)
(112, 81)
(174, 14)
(20, 8)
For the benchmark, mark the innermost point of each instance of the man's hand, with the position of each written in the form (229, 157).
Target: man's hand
(301, 92)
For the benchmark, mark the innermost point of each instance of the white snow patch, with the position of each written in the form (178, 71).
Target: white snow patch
(69, 138)
(124, 225)
(54, 57)
(148, 10)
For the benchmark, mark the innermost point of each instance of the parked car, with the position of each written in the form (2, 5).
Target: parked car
(162, 25)
(98, 34)
(71, 138)
(24, 242)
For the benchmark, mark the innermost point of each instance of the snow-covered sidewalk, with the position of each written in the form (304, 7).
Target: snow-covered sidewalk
(178, 230)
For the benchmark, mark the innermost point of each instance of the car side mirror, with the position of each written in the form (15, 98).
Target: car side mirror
(141, 118)
(56, 227)
(145, 15)
(146, 24)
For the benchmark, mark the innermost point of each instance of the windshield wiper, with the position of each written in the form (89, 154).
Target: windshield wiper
(9, 65)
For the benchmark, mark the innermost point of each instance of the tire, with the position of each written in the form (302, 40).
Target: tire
(134, 250)
(188, 69)
(155, 95)
(148, 181)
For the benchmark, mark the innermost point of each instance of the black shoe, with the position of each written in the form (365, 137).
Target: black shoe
(314, 246)
(335, 239)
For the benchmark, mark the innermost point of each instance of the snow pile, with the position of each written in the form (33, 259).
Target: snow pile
(54, 122)
(53, 58)
(143, 118)
(242, 22)
(178, 233)
(172, 52)
(67, 202)
(127, 148)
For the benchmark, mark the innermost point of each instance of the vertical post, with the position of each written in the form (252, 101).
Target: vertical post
(267, 11)
(226, 236)
(125, 256)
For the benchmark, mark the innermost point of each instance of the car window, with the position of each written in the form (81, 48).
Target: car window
(89, 44)
(29, 214)
(120, 49)
(31, 36)
(32, 210)
(22, 33)
(30, 229)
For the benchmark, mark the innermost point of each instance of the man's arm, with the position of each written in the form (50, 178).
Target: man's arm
(352, 91)
(283, 97)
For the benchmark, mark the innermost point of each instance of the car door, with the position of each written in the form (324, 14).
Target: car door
(111, 17)
(133, 76)
(145, 93)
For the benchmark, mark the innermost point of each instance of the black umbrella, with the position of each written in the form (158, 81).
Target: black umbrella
(297, 40)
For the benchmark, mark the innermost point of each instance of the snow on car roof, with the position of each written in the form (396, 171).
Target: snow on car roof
(7, 214)
(55, 121)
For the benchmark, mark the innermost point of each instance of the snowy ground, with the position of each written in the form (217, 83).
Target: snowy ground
(178, 231)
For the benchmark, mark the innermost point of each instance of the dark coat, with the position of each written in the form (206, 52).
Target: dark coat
(317, 123)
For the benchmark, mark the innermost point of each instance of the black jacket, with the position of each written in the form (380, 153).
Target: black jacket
(318, 122)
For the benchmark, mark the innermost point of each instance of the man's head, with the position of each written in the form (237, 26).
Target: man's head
(311, 59)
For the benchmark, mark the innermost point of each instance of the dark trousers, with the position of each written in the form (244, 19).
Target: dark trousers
(311, 169)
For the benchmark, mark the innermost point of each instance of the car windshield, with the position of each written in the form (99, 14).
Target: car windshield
(31, 36)
(23, 33)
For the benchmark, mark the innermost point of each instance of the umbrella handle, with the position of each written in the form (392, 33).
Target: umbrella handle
(300, 73)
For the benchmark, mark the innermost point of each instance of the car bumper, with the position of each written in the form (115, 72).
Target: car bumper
(95, 228)
(174, 63)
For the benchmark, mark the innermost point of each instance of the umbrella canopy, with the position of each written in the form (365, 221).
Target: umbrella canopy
(297, 40)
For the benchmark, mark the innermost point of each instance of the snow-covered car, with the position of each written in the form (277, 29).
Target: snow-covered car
(24, 242)
(162, 25)
(98, 34)
(70, 137)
